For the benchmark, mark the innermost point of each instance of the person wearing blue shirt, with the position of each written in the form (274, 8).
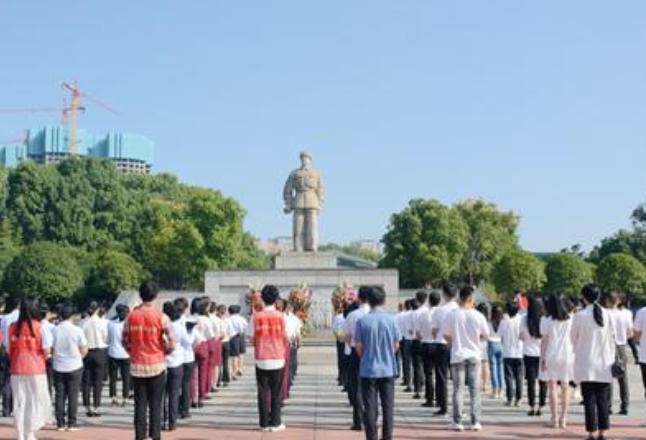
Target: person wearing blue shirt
(377, 339)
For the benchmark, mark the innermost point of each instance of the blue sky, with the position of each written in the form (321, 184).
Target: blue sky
(539, 107)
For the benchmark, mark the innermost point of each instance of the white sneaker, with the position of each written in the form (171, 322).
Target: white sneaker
(278, 428)
(476, 427)
(266, 429)
(456, 427)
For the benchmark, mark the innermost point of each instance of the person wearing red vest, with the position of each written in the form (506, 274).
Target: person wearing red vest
(29, 348)
(148, 337)
(270, 342)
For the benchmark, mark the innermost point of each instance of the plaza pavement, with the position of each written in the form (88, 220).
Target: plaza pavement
(319, 411)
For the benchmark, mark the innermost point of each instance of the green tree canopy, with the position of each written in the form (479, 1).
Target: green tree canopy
(491, 233)
(112, 272)
(49, 271)
(518, 270)
(567, 273)
(425, 242)
(621, 273)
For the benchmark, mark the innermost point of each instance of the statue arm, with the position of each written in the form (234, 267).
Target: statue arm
(288, 191)
(320, 190)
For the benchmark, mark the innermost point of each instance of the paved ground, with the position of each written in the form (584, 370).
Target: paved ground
(318, 411)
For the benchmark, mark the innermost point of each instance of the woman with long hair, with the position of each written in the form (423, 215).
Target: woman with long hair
(557, 357)
(29, 347)
(494, 352)
(174, 368)
(530, 334)
(594, 345)
(119, 359)
(203, 360)
(484, 363)
(95, 328)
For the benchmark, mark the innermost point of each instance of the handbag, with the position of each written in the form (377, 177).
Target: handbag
(618, 368)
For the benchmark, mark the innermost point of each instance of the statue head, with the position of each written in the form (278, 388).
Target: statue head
(306, 160)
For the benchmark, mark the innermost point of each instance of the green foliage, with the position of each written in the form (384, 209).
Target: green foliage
(174, 231)
(352, 250)
(426, 243)
(112, 272)
(623, 242)
(48, 270)
(621, 273)
(518, 270)
(491, 233)
(567, 273)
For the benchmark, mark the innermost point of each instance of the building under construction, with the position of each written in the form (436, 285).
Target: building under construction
(131, 153)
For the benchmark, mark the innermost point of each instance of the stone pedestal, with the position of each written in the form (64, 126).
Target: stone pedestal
(306, 260)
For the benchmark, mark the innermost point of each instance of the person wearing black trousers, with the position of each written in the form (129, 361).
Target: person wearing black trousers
(95, 328)
(426, 334)
(337, 331)
(174, 368)
(416, 350)
(119, 361)
(406, 329)
(182, 306)
(441, 350)
(512, 354)
(225, 375)
(622, 321)
(530, 334)
(354, 380)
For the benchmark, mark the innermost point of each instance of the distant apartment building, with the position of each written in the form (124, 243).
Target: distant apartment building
(276, 245)
(368, 245)
(131, 153)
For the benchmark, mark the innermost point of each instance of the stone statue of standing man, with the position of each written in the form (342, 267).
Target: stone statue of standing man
(304, 195)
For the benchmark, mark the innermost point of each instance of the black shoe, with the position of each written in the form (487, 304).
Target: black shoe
(538, 413)
(531, 413)
(417, 396)
(623, 412)
(408, 390)
(440, 413)
(428, 405)
(356, 428)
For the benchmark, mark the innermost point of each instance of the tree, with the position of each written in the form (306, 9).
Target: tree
(425, 242)
(567, 273)
(112, 272)
(491, 233)
(9, 246)
(47, 270)
(621, 273)
(623, 242)
(518, 270)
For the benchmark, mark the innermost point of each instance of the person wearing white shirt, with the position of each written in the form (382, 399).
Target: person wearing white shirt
(354, 389)
(174, 367)
(200, 310)
(238, 329)
(441, 351)
(69, 348)
(95, 328)
(426, 337)
(594, 344)
(46, 326)
(465, 328)
(512, 354)
(494, 352)
(194, 339)
(557, 357)
(639, 334)
(417, 356)
(530, 334)
(225, 372)
(337, 331)
(294, 330)
(5, 324)
(403, 322)
(622, 322)
(119, 359)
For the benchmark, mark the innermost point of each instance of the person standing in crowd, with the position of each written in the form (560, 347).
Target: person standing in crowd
(5, 325)
(294, 329)
(557, 357)
(622, 323)
(426, 335)
(47, 325)
(69, 349)
(337, 331)
(119, 360)
(464, 329)
(270, 337)
(206, 357)
(403, 321)
(225, 328)
(594, 355)
(494, 352)
(95, 328)
(347, 349)
(441, 351)
(194, 338)
(174, 367)
(639, 335)
(377, 342)
(512, 354)
(148, 337)
(484, 358)
(354, 382)
(238, 327)
(29, 347)
(416, 351)
(530, 334)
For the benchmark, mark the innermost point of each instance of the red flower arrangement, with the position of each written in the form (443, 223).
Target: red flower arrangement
(301, 301)
(343, 295)
(253, 299)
